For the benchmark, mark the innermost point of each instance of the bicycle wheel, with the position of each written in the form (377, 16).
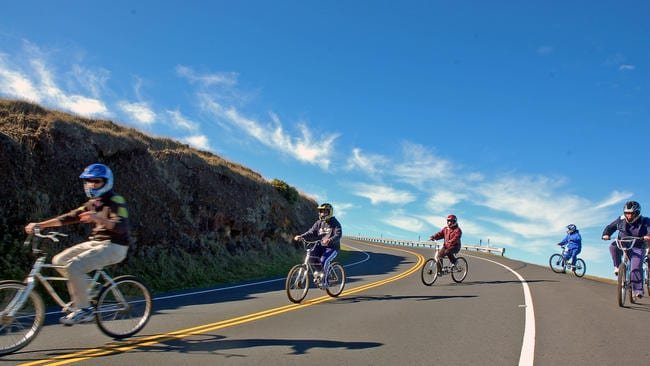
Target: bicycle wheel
(335, 280)
(18, 330)
(647, 277)
(429, 272)
(123, 309)
(297, 283)
(557, 263)
(580, 268)
(621, 286)
(459, 273)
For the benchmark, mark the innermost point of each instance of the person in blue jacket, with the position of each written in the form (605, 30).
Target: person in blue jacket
(573, 243)
(327, 229)
(630, 224)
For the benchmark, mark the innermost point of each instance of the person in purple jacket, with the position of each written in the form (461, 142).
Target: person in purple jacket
(630, 224)
(327, 229)
(573, 242)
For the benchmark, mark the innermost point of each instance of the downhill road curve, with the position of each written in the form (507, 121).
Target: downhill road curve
(386, 316)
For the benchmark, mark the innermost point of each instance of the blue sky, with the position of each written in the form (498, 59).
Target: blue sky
(519, 117)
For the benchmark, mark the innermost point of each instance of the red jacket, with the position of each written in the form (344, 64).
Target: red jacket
(451, 234)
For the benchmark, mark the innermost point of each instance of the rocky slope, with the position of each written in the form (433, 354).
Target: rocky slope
(187, 207)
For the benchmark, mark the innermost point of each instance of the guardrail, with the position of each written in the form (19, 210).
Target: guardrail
(426, 244)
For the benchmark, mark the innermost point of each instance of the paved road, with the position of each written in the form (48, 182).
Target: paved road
(385, 317)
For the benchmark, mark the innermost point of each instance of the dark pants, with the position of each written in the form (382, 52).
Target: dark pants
(449, 253)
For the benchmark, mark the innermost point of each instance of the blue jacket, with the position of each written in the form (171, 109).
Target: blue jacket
(574, 240)
(639, 228)
(330, 228)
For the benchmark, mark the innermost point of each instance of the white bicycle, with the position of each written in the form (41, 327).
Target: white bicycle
(122, 305)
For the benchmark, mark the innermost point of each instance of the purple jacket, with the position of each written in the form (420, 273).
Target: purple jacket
(330, 228)
(639, 228)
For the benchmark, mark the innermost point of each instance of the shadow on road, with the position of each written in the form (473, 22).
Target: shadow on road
(213, 344)
(348, 300)
(217, 344)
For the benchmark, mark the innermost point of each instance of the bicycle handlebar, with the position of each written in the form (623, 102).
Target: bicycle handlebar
(626, 239)
(52, 235)
(308, 244)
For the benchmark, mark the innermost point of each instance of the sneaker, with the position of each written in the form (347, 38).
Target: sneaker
(615, 271)
(78, 316)
(639, 296)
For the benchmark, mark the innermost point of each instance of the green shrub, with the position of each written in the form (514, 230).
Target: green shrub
(287, 191)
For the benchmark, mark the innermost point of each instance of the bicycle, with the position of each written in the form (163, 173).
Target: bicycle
(559, 265)
(430, 272)
(624, 281)
(297, 282)
(122, 305)
(646, 270)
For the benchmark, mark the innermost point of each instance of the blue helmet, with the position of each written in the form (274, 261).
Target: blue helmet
(96, 171)
(571, 228)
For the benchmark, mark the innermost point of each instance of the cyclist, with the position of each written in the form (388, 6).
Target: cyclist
(573, 243)
(451, 233)
(328, 229)
(630, 224)
(107, 244)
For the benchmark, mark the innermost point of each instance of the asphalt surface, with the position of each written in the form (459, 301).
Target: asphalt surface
(386, 316)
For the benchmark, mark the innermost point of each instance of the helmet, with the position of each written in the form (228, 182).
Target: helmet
(95, 171)
(325, 211)
(634, 207)
(452, 220)
(571, 228)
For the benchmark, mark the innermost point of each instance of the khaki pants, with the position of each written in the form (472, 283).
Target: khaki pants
(83, 258)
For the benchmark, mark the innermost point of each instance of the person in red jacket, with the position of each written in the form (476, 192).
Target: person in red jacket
(451, 233)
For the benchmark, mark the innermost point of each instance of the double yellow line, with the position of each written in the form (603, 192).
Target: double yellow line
(184, 333)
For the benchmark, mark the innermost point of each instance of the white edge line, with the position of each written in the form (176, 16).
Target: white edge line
(527, 355)
(237, 286)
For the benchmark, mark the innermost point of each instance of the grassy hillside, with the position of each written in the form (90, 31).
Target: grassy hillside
(197, 219)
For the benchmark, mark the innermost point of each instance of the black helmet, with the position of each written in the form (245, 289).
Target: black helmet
(325, 211)
(571, 228)
(632, 207)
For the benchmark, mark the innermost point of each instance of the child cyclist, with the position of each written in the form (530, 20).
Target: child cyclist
(328, 229)
(573, 243)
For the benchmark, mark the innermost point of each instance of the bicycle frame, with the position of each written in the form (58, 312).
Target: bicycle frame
(35, 276)
(309, 247)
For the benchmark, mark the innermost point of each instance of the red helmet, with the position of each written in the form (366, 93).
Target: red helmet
(452, 220)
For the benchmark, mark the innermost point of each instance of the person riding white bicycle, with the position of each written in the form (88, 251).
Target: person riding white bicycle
(573, 243)
(452, 234)
(328, 230)
(108, 243)
(631, 224)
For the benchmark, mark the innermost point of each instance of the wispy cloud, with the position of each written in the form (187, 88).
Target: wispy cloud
(369, 163)
(304, 147)
(179, 121)
(382, 194)
(198, 141)
(419, 165)
(405, 222)
(217, 78)
(35, 81)
(627, 67)
(537, 207)
(139, 111)
(443, 200)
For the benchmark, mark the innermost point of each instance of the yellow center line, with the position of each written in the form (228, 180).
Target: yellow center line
(184, 333)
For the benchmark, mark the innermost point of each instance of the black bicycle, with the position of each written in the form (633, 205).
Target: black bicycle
(559, 265)
(297, 282)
